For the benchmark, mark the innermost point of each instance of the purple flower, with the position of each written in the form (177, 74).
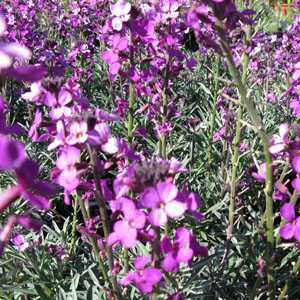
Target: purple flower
(126, 230)
(62, 110)
(182, 250)
(144, 278)
(280, 191)
(296, 164)
(162, 200)
(9, 196)
(6, 232)
(33, 132)
(295, 106)
(36, 91)
(20, 242)
(32, 189)
(292, 228)
(60, 138)
(10, 51)
(78, 133)
(169, 9)
(296, 74)
(12, 153)
(280, 142)
(66, 164)
(100, 134)
(260, 174)
(113, 61)
(26, 221)
(121, 13)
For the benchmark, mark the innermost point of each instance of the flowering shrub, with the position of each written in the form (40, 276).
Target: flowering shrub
(115, 122)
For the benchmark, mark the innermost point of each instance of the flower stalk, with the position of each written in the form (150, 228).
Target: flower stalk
(104, 219)
(131, 106)
(74, 223)
(94, 243)
(236, 143)
(257, 122)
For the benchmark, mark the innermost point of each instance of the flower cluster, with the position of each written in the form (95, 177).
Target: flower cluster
(14, 159)
(138, 54)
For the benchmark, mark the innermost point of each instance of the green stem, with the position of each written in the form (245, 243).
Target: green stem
(257, 122)
(163, 139)
(235, 163)
(74, 223)
(104, 218)
(130, 127)
(131, 106)
(165, 112)
(93, 242)
(236, 142)
(216, 74)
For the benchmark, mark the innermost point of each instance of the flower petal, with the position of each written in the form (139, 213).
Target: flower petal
(150, 198)
(141, 262)
(296, 163)
(287, 231)
(175, 209)
(167, 191)
(287, 211)
(297, 229)
(169, 264)
(158, 217)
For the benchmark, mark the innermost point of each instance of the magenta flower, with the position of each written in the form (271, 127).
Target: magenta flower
(78, 133)
(33, 132)
(182, 250)
(113, 61)
(6, 232)
(20, 242)
(121, 13)
(28, 187)
(10, 51)
(26, 221)
(144, 278)
(101, 136)
(111, 146)
(35, 94)
(193, 203)
(60, 138)
(12, 153)
(280, 142)
(295, 106)
(260, 174)
(66, 164)
(126, 230)
(169, 9)
(292, 228)
(296, 74)
(31, 188)
(162, 200)
(61, 110)
(296, 164)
